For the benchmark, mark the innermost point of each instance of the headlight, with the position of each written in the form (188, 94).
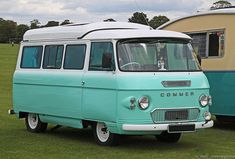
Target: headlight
(205, 100)
(207, 116)
(144, 102)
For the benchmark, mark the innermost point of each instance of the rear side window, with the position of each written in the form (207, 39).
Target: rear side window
(31, 57)
(53, 57)
(74, 57)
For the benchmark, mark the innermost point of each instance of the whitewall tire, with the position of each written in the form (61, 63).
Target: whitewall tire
(34, 124)
(103, 136)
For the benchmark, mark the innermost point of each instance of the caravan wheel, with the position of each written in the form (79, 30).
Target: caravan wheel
(34, 124)
(103, 136)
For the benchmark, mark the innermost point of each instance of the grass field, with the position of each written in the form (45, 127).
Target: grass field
(16, 142)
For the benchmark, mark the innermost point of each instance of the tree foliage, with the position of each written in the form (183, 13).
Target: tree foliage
(65, 22)
(11, 32)
(7, 30)
(220, 4)
(20, 30)
(139, 17)
(110, 20)
(157, 21)
(34, 24)
(51, 24)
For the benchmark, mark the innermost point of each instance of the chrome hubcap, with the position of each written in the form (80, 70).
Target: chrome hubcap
(32, 120)
(102, 132)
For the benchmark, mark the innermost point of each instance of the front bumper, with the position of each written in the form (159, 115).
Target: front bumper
(163, 127)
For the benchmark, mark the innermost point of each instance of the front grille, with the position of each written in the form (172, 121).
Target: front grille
(175, 115)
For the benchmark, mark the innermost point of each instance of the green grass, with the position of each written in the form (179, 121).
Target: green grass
(16, 142)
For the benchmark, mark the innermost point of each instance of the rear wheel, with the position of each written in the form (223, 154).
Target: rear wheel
(34, 124)
(103, 136)
(168, 137)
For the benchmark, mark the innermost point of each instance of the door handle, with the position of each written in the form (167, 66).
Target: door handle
(83, 82)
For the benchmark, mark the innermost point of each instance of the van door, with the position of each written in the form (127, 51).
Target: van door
(99, 84)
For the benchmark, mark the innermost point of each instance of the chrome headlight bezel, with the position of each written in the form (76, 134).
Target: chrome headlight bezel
(143, 102)
(204, 100)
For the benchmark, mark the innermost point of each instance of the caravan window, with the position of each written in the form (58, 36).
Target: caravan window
(209, 43)
(31, 57)
(199, 43)
(53, 57)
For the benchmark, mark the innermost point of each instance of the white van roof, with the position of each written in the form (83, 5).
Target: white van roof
(224, 11)
(135, 33)
(101, 30)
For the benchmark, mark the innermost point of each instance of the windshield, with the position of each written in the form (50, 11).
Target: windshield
(156, 55)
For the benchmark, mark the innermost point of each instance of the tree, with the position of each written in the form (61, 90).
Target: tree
(109, 20)
(51, 23)
(156, 21)
(139, 17)
(20, 30)
(66, 22)
(7, 30)
(220, 4)
(34, 24)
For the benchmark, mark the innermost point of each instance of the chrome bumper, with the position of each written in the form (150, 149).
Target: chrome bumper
(162, 127)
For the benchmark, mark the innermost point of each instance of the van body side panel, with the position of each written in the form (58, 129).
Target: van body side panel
(54, 93)
(222, 89)
(99, 96)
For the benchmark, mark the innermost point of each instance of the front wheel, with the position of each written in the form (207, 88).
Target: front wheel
(168, 137)
(103, 136)
(34, 124)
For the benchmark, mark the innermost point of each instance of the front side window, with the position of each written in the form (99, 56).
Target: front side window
(101, 57)
(208, 44)
(156, 55)
(31, 57)
(53, 57)
(74, 57)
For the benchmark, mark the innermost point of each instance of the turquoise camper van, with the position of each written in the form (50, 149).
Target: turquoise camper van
(118, 78)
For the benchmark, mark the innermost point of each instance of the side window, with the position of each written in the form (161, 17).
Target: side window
(53, 57)
(209, 44)
(31, 57)
(101, 57)
(216, 43)
(199, 43)
(74, 57)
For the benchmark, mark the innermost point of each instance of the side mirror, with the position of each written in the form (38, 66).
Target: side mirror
(107, 62)
(199, 59)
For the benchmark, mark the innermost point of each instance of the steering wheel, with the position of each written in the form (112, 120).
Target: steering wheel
(131, 63)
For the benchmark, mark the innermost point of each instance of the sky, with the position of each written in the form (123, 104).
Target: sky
(79, 11)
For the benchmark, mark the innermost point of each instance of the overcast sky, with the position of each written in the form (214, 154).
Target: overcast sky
(77, 11)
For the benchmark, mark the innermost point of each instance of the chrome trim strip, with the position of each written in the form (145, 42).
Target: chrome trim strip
(162, 127)
(186, 83)
(176, 108)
